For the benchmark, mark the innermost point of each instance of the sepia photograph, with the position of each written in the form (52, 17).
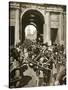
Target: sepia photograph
(37, 44)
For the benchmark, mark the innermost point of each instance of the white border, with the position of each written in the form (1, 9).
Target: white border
(4, 46)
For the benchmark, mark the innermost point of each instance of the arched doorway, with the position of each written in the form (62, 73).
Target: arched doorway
(32, 19)
(30, 32)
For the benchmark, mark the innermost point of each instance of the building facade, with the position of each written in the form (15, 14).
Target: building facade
(48, 20)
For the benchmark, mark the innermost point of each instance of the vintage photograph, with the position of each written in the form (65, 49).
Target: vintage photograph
(37, 44)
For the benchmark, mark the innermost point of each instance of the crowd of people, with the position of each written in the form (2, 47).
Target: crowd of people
(49, 63)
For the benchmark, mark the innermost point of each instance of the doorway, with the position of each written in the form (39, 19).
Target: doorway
(54, 35)
(12, 35)
(32, 18)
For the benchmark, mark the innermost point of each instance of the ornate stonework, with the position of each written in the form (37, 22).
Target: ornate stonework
(54, 17)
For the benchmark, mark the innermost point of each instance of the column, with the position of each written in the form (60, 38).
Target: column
(17, 27)
(44, 33)
(60, 30)
(65, 34)
(47, 27)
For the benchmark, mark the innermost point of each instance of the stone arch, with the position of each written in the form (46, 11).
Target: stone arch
(34, 17)
(27, 9)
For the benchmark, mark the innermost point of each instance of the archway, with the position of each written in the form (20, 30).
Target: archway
(34, 19)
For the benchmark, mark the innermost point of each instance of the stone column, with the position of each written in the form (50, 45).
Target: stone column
(44, 32)
(65, 29)
(47, 27)
(60, 30)
(17, 27)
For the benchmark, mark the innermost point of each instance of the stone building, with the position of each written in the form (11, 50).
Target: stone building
(47, 20)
